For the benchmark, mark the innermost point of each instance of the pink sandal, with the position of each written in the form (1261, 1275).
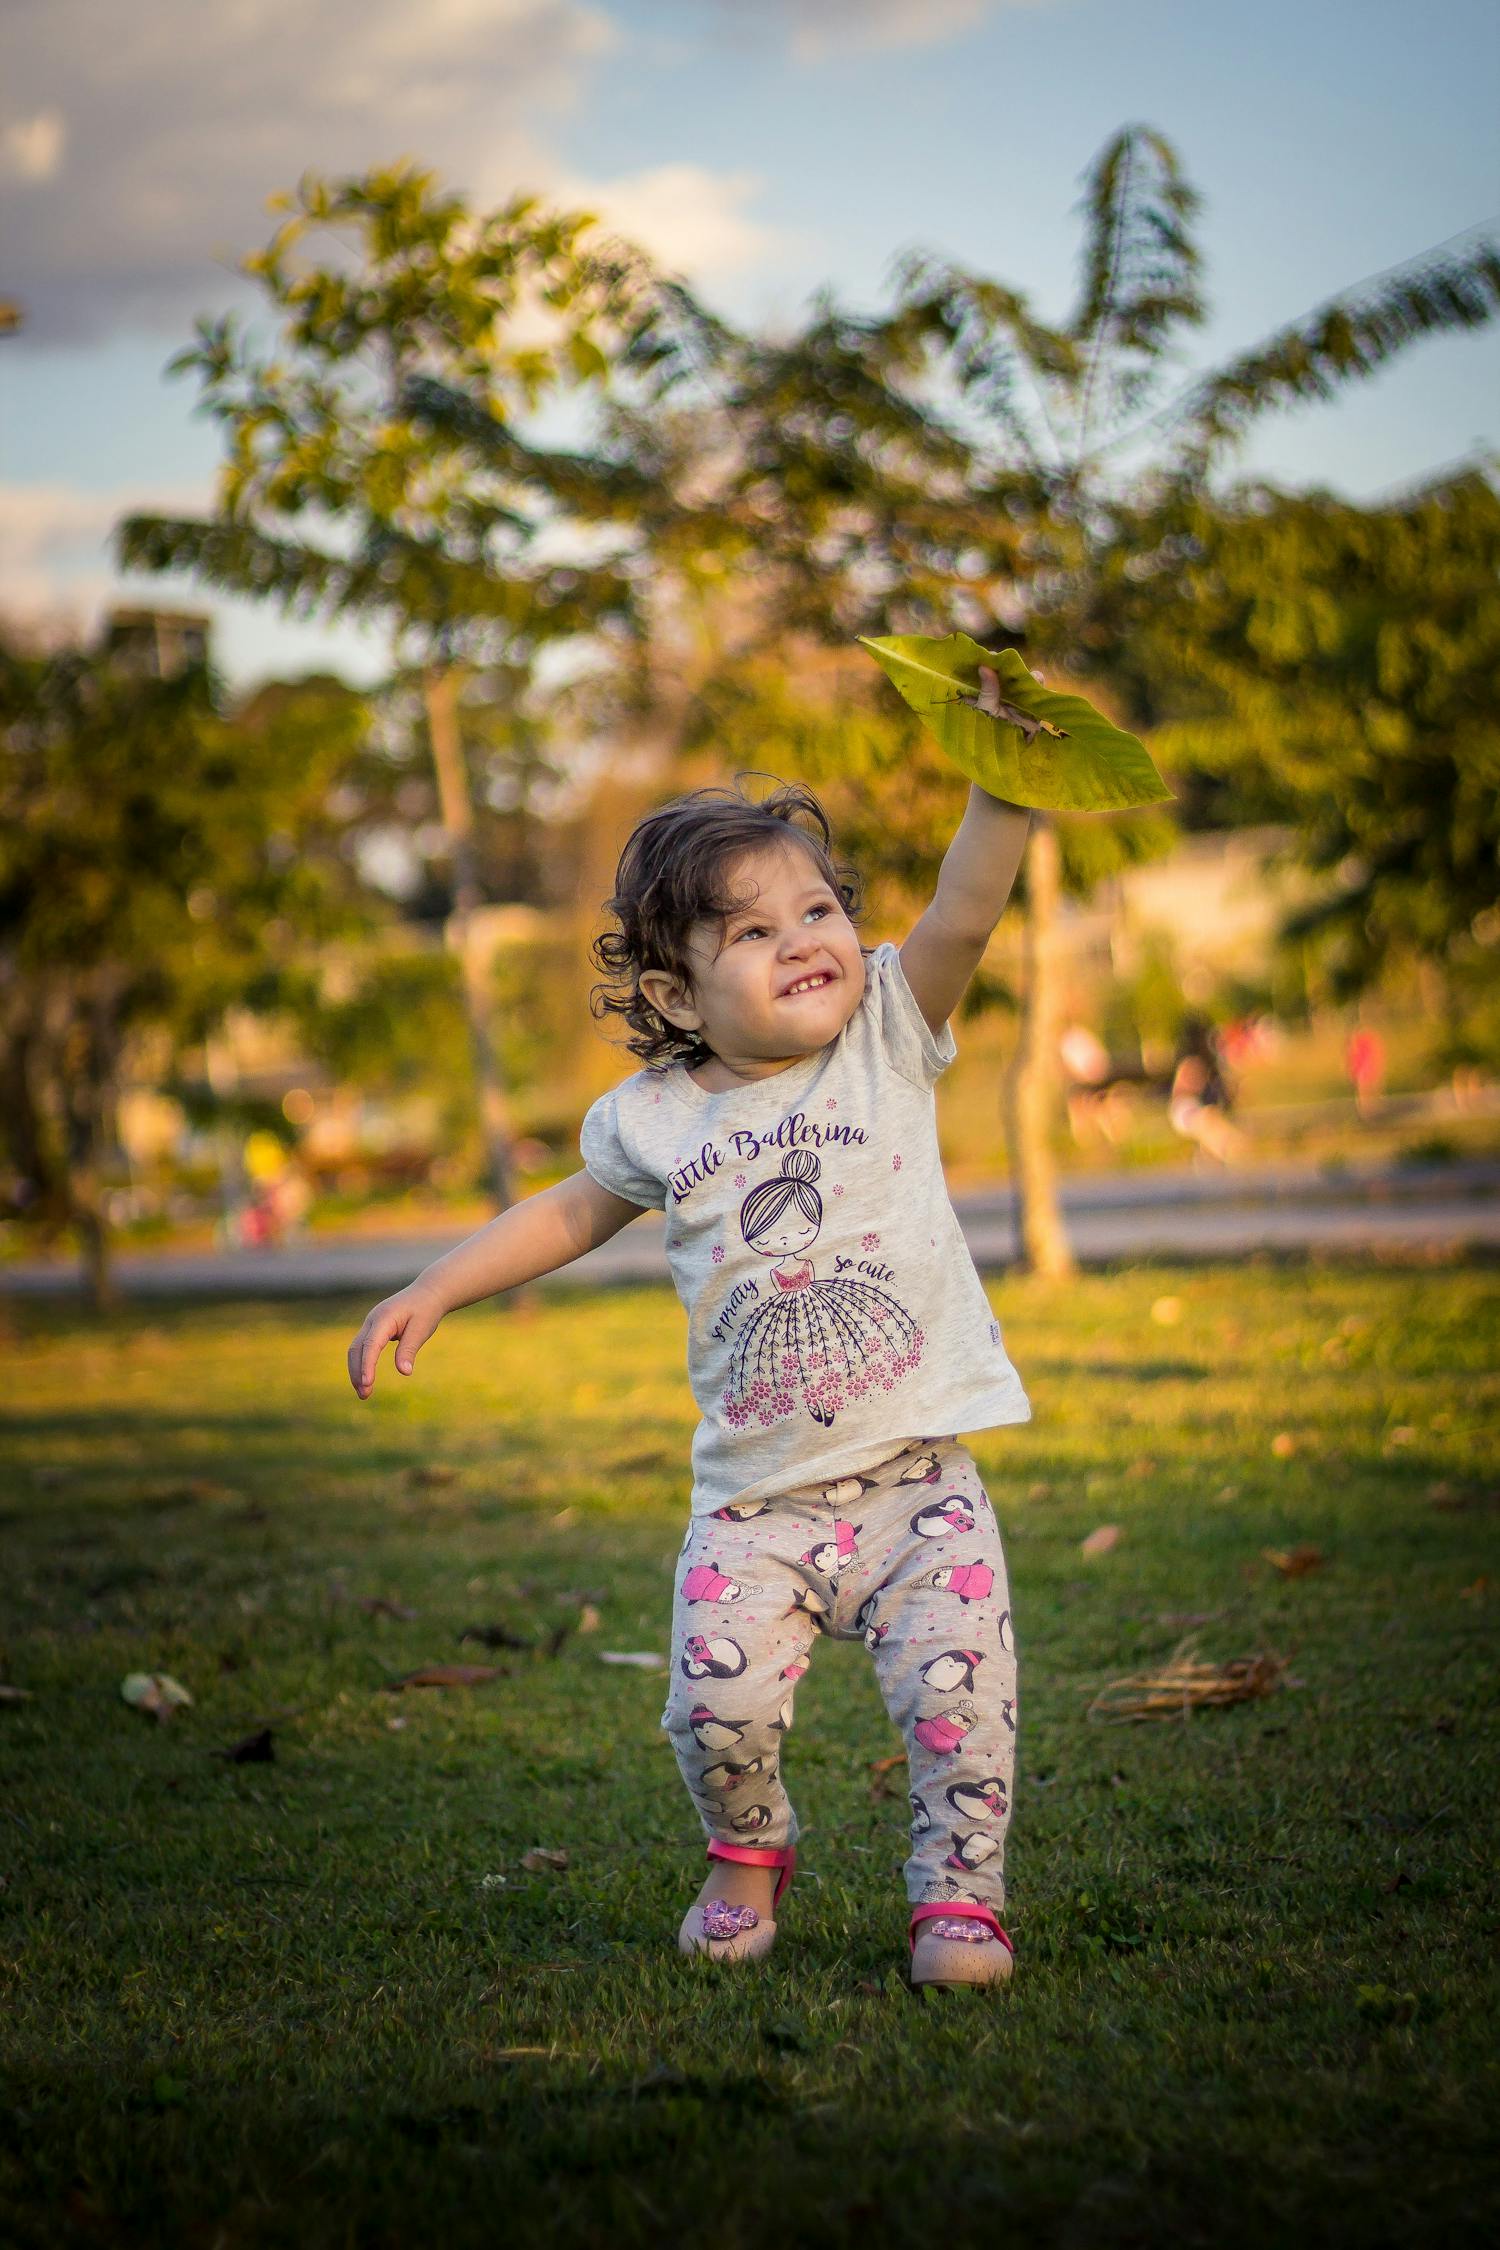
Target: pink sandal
(736, 1933)
(958, 1948)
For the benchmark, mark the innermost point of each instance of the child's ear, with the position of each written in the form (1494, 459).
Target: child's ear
(670, 998)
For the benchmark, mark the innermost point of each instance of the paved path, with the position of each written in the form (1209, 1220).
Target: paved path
(1112, 1217)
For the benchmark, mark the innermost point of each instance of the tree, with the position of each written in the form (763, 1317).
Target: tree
(158, 861)
(1336, 668)
(956, 458)
(339, 494)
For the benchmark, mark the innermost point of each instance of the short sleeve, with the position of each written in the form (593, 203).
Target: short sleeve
(906, 1039)
(613, 1161)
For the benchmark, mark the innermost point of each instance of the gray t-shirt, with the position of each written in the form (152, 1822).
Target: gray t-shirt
(834, 1312)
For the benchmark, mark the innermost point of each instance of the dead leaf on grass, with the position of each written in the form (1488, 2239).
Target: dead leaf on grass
(495, 1636)
(378, 1605)
(1101, 1541)
(9, 1694)
(1184, 1685)
(540, 1860)
(431, 1476)
(154, 1692)
(589, 1619)
(447, 1675)
(1294, 1562)
(881, 1770)
(1476, 1591)
(257, 1749)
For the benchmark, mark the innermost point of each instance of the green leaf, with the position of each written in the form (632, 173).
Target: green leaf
(1085, 765)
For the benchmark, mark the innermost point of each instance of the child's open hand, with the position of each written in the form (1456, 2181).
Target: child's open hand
(408, 1319)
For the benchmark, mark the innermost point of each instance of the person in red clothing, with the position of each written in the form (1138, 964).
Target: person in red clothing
(1364, 1059)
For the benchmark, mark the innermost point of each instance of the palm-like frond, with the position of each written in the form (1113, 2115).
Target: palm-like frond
(416, 581)
(1140, 271)
(1352, 336)
(991, 339)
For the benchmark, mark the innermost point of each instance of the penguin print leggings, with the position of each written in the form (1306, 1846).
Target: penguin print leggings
(907, 1557)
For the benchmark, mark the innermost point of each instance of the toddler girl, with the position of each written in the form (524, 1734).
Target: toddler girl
(839, 1337)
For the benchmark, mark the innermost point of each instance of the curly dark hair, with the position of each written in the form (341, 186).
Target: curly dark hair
(673, 874)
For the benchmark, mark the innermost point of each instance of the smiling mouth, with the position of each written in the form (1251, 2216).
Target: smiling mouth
(807, 984)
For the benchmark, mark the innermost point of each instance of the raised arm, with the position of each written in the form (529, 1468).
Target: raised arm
(531, 1238)
(976, 878)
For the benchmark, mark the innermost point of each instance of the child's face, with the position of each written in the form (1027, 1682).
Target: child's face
(791, 928)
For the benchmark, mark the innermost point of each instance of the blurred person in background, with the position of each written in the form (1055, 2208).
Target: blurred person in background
(1201, 1095)
(1364, 1059)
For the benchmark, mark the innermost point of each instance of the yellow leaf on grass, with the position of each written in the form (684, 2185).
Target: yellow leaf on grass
(1100, 1542)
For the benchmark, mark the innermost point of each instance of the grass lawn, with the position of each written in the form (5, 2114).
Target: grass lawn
(322, 2001)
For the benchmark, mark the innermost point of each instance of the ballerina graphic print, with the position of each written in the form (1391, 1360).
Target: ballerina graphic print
(815, 1344)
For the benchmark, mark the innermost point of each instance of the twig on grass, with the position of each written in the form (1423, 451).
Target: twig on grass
(1183, 1685)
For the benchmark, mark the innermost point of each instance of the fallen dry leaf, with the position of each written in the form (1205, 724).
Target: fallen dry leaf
(643, 1659)
(431, 1477)
(540, 1861)
(1283, 1445)
(257, 1749)
(1294, 1562)
(155, 1692)
(589, 1619)
(495, 1636)
(377, 1605)
(1101, 1541)
(881, 1770)
(1403, 1434)
(1477, 1589)
(9, 1694)
(447, 1675)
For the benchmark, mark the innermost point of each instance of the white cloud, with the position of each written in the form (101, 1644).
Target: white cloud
(31, 148)
(693, 220)
(146, 150)
(821, 28)
(55, 548)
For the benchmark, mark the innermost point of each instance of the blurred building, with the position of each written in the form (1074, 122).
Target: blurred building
(157, 644)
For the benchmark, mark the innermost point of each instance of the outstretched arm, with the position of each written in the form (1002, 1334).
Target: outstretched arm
(976, 878)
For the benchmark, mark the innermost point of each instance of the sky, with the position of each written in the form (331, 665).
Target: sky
(765, 148)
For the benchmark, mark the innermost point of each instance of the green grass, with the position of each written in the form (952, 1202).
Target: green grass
(320, 2002)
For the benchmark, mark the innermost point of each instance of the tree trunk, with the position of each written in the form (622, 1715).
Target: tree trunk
(91, 1067)
(1031, 1086)
(440, 689)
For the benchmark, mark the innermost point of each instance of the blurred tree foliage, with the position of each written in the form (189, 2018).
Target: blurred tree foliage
(340, 494)
(694, 575)
(958, 459)
(1338, 668)
(159, 859)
